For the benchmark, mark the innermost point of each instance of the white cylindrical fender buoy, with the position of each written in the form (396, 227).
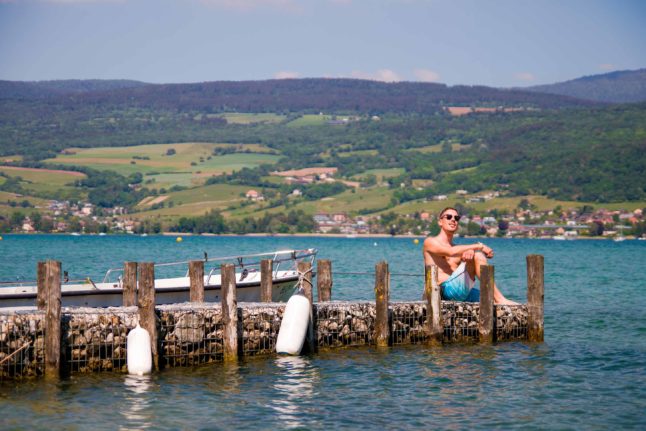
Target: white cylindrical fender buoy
(140, 357)
(293, 328)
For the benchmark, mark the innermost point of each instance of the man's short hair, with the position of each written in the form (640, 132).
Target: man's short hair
(446, 209)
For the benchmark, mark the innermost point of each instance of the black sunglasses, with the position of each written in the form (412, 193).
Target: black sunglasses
(450, 216)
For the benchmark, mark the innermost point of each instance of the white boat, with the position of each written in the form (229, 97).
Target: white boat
(619, 238)
(109, 292)
(559, 237)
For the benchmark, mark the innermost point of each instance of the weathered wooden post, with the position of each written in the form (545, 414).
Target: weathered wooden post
(129, 283)
(53, 318)
(485, 321)
(196, 275)
(146, 302)
(304, 268)
(382, 297)
(41, 293)
(535, 297)
(433, 306)
(229, 312)
(266, 279)
(324, 280)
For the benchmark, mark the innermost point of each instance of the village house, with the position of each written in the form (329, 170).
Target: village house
(254, 196)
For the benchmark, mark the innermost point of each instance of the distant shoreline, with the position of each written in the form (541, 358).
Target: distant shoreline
(303, 235)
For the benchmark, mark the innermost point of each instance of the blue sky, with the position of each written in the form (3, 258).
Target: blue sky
(501, 43)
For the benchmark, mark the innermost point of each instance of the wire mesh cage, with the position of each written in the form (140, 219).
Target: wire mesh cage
(408, 322)
(511, 322)
(344, 324)
(191, 336)
(460, 320)
(22, 345)
(95, 339)
(260, 327)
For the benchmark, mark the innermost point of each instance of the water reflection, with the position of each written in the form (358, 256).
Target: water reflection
(137, 407)
(295, 387)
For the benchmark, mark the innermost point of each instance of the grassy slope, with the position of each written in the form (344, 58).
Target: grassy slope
(45, 181)
(120, 159)
(507, 203)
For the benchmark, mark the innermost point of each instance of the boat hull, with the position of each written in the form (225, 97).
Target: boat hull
(167, 291)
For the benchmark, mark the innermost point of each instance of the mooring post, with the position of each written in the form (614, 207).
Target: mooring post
(41, 295)
(129, 284)
(229, 312)
(196, 275)
(53, 318)
(382, 297)
(324, 279)
(146, 302)
(485, 321)
(304, 268)
(535, 297)
(266, 279)
(433, 306)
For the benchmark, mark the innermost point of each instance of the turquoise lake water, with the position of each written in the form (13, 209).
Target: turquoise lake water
(589, 374)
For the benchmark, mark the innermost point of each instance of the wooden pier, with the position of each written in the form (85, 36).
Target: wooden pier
(50, 340)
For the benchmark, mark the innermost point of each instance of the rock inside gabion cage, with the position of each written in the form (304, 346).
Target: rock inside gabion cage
(96, 340)
(22, 345)
(345, 324)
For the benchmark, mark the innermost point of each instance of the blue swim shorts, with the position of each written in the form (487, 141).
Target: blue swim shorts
(459, 286)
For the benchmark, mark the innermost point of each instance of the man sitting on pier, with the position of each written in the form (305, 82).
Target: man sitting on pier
(458, 265)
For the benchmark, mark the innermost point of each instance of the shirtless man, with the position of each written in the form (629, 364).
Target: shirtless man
(458, 265)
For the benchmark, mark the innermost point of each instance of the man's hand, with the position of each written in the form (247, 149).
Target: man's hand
(468, 255)
(487, 251)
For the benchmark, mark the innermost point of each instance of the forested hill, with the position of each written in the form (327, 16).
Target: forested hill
(618, 87)
(286, 95)
(58, 88)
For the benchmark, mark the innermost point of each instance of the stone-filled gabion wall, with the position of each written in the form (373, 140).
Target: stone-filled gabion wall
(190, 334)
(340, 324)
(94, 339)
(22, 345)
(511, 322)
(260, 326)
(408, 320)
(460, 320)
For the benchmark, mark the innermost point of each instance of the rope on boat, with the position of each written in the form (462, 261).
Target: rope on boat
(21, 348)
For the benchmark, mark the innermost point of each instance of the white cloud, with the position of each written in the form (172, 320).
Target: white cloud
(285, 74)
(525, 76)
(385, 75)
(426, 75)
(607, 67)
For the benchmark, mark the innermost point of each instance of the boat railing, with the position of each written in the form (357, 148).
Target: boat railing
(282, 257)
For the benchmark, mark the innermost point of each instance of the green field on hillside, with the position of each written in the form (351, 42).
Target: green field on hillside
(196, 159)
(346, 202)
(46, 181)
(358, 153)
(250, 118)
(310, 120)
(192, 202)
(381, 174)
(437, 148)
(541, 203)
